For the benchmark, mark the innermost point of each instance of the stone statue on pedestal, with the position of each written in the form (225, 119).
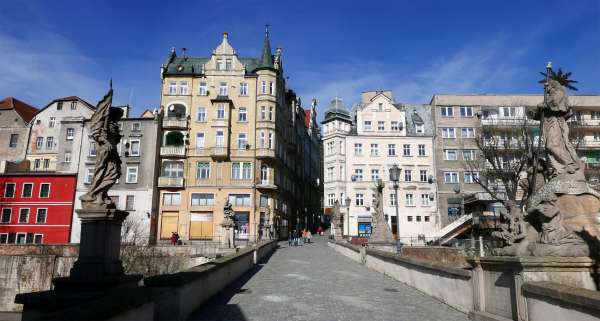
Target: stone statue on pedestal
(337, 220)
(228, 226)
(560, 217)
(381, 232)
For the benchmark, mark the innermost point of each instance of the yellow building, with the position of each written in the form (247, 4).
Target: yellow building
(232, 131)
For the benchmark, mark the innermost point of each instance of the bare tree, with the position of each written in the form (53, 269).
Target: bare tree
(506, 153)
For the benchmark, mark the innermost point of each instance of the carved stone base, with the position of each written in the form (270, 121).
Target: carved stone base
(383, 246)
(228, 236)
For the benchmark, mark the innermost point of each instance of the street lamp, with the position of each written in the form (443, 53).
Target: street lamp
(395, 178)
(347, 223)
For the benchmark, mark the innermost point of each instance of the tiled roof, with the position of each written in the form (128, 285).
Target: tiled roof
(25, 111)
(69, 98)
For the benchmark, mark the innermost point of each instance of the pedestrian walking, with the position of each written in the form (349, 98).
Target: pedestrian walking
(291, 239)
(308, 236)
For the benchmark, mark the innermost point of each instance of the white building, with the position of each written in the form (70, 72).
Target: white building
(360, 150)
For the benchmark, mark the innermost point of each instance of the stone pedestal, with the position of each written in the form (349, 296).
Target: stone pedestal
(227, 236)
(498, 281)
(383, 246)
(97, 271)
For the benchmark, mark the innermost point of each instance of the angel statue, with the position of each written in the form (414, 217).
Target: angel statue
(104, 130)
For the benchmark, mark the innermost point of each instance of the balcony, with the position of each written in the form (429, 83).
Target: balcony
(509, 121)
(266, 185)
(242, 152)
(172, 151)
(219, 153)
(165, 181)
(263, 153)
(220, 122)
(587, 123)
(175, 122)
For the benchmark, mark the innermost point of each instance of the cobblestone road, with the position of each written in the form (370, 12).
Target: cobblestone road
(312, 282)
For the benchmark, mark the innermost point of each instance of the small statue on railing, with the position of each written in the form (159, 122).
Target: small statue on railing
(104, 130)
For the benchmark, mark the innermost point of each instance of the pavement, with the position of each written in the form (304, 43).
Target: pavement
(313, 282)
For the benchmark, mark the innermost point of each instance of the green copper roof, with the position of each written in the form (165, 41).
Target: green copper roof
(266, 59)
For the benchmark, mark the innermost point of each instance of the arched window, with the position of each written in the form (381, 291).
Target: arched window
(176, 111)
(264, 174)
(174, 138)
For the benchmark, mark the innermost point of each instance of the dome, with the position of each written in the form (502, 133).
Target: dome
(337, 109)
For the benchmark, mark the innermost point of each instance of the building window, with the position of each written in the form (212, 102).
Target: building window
(450, 154)
(263, 87)
(134, 148)
(46, 163)
(391, 149)
(203, 199)
(263, 112)
(52, 122)
(201, 114)
(508, 112)
(466, 111)
(24, 215)
(271, 88)
(9, 190)
(447, 111)
(38, 238)
(393, 200)
(395, 127)
(223, 89)
(70, 133)
(367, 125)
(202, 170)
(220, 111)
(243, 114)
(14, 140)
(448, 133)
(418, 218)
(171, 199)
(410, 200)
(36, 164)
(202, 89)
(330, 147)
(425, 200)
(406, 149)
(220, 64)
(359, 200)
(172, 88)
(467, 132)
(130, 203)
(220, 139)
(270, 112)
(132, 175)
(243, 89)
(358, 174)
(199, 140)
(374, 174)
(50, 142)
(242, 141)
(6, 215)
(409, 218)
(39, 143)
(241, 170)
(67, 158)
(422, 150)
(89, 174)
(264, 174)
(73, 105)
(330, 199)
(358, 149)
(92, 152)
(264, 200)
(183, 87)
(469, 154)
(408, 175)
(374, 149)
(471, 177)
(420, 128)
(136, 127)
(451, 177)
(172, 169)
(27, 190)
(59, 105)
(44, 190)
(239, 199)
(228, 64)
(380, 126)
(3, 238)
(41, 215)
(330, 173)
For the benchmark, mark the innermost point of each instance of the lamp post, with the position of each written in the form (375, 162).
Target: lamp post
(395, 178)
(347, 223)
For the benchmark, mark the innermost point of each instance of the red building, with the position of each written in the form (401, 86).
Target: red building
(36, 207)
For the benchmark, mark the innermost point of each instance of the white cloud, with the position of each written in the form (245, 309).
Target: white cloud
(38, 67)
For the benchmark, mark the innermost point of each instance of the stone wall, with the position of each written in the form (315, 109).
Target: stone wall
(447, 256)
(31, 268)
(548, 301)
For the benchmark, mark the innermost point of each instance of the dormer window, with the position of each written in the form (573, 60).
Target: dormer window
(394, 126)
(228, 64)
(59, 105)
(73, 105)
(219, 64)
(380, 107)
(420, 128)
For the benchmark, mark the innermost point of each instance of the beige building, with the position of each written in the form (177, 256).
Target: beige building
(360, 150)
(15, 118)
(458, 120)
(232, 131)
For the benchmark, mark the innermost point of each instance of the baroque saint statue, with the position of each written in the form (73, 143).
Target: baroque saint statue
(104, 130)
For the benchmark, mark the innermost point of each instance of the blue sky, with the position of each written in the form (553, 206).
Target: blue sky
(50, 49)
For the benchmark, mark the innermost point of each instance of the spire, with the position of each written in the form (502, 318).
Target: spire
(266, 59)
